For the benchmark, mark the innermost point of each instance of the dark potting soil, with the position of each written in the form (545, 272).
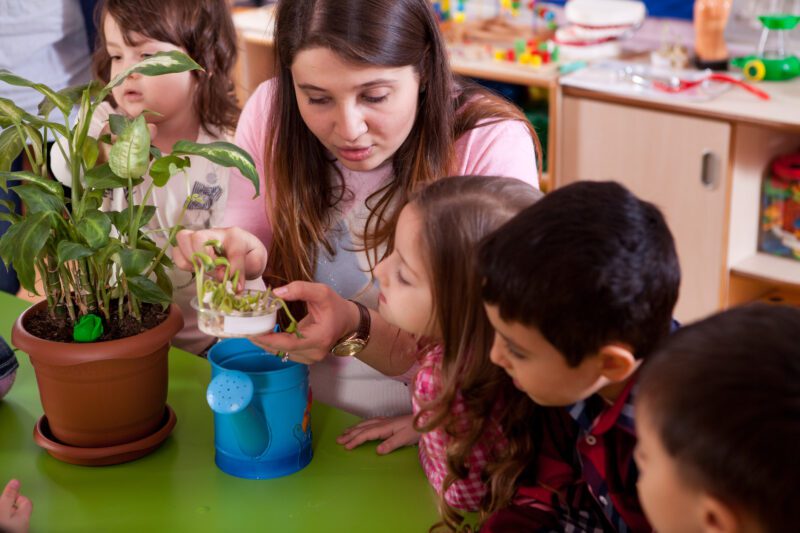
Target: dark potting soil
(41, 325)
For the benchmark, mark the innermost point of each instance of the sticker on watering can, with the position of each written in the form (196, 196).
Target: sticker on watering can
(248, 325)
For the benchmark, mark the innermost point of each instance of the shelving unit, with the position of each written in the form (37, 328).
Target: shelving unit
(655, 147)
(753, 273)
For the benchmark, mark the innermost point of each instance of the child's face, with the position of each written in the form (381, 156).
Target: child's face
(361, 114)
(406, 297)
(538, 368)
(671, 504)
(171, 95)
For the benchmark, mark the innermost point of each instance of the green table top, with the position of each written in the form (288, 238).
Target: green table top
(179, 488)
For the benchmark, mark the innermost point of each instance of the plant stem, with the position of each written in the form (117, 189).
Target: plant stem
(136, 220)
(172, 234)
(83, 269)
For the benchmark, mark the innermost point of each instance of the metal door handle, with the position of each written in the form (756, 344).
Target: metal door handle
(708, 170)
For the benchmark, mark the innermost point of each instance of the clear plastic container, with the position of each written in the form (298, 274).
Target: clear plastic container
(235, 323)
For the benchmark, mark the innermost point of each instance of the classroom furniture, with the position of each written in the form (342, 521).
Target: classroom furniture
(702, 164)
(178, 488)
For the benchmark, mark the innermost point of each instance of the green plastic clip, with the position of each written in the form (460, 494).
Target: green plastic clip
(88, 329)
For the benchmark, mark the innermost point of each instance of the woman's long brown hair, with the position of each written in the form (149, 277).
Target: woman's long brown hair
(456, 214)
(204, 28)
(302, 185)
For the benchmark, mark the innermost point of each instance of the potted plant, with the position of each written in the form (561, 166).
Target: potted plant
(99, 342)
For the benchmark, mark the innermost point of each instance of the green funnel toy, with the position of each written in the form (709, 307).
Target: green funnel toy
(772, 62)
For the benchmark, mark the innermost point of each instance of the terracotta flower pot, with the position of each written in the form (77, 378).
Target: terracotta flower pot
(103, 393)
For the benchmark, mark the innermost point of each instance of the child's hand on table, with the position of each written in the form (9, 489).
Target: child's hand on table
(15, 510)
(395, 432)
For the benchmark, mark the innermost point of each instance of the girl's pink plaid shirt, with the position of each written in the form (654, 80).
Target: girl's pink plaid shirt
(464, 494)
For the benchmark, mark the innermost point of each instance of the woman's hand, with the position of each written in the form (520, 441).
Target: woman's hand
(15, 509)
(395, 432)
(329, 318)
(245, 252)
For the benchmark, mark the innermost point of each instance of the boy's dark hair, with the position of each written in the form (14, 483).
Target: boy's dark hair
(724, 397)
(588, 264)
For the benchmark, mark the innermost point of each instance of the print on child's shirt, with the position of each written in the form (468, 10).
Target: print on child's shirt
(200, 209)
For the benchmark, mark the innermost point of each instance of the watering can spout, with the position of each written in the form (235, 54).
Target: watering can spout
(230, 394)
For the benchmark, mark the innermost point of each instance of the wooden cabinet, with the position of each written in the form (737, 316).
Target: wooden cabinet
(680, 163)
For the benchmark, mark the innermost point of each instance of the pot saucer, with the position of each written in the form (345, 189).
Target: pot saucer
(110, 455)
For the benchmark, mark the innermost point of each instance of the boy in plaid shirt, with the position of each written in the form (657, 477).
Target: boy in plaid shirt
(579, 287)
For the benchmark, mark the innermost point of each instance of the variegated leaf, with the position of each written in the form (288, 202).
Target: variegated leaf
(155, 65)
(61, 101)
(50, 186)
(130, 155)
(223, 153)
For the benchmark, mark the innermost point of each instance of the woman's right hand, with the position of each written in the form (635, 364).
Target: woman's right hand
(245, 252)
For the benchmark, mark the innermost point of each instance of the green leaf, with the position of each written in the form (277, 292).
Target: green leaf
(60, 101)
(118, 123)
(51, 186)
(147, 291)
(35, 142)
(163, 280)
(90, 152)
(103, 255)
(121, 220)
(147, 214)
(102, 177)
(164, 168)
(155, 65)
(70, 251)
(134, 262)
(223, 153)
(40, 123)
(130, 155)
(36, 200)
(11, 146)
(95, 227)
(30, 237)
(10, 113)
(93, 199)
(72, 94)
(155, 152)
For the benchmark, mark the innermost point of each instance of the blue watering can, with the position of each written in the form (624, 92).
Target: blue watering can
(262, 411)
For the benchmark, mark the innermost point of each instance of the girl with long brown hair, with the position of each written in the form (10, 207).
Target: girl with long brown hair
(363, 112)
(430, 288)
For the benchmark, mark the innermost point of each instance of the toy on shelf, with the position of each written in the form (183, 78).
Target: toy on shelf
(710, 19)
(780, 208)
(501, 38)
(773, 61)
(596, 27)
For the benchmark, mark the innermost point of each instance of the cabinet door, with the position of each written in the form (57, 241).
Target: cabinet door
(678, 163)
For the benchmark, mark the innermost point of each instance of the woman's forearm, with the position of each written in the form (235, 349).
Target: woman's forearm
(390, 350)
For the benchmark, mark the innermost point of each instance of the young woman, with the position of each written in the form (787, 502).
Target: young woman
(364, 111)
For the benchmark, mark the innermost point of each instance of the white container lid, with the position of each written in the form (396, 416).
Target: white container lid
(605, 13)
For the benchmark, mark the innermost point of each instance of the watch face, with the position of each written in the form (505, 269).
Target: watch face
(348, 347)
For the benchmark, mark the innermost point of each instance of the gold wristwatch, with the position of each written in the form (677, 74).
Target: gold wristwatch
(353, 343)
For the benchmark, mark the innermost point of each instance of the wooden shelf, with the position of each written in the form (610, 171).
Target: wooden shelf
(770, 268)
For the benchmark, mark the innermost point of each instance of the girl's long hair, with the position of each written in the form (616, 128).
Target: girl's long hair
(456, 214)
(204, 28)
(304, 186)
